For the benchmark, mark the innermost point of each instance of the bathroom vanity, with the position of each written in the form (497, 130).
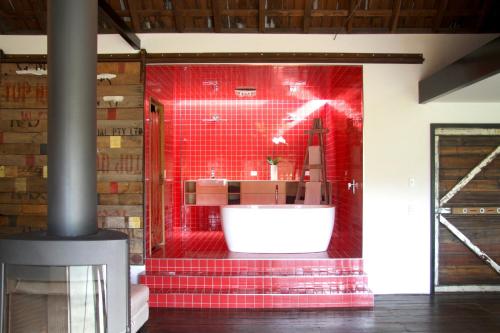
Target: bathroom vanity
(216, 192)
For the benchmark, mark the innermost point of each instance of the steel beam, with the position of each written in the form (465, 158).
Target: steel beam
(474, 67)
(119, 25)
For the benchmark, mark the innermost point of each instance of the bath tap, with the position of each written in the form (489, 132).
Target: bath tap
(212, 173)
(276, 191)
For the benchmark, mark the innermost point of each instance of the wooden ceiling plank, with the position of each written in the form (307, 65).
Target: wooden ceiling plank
(329, 13)
(307, 15)
(373, 13)
(418, 12)
(217, 15)
(239, 12)
(40, 14)
(396, 10)
(352, 11)
(484, 11)
(119, 25)
(285, 12)
(440, 14)
(262, 16)
(134, 17)
(178, 14)
(197, 12)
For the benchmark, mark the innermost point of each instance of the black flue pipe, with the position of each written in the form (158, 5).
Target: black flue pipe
(72, 143)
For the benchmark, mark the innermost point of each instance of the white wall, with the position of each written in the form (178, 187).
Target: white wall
(396, 244)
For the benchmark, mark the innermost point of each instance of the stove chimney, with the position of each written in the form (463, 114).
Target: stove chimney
(72, 143)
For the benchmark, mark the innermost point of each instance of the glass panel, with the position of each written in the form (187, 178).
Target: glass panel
(55, 299)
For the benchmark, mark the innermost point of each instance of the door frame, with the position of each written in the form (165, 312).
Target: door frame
(160, 110)
(434, 165)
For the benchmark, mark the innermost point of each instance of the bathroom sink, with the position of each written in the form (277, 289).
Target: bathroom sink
(211, 182)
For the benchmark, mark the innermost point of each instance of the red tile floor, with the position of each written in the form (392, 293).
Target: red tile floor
(196, 270)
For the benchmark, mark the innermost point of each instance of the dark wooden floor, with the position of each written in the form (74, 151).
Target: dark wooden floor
(457, 313)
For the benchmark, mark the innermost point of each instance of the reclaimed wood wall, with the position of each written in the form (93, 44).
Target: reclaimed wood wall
(23, 149)
(475, 210)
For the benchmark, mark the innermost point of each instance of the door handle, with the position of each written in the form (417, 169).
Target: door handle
(352, 186)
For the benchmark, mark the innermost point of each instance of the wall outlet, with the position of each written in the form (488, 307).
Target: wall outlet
(411, 209)
(253, 173)
(411, 182)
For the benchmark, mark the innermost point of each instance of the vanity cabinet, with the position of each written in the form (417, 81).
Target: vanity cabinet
(205, 194)
(240, 192)
(262, 192)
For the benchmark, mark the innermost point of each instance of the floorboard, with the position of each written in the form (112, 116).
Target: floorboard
(443, 313)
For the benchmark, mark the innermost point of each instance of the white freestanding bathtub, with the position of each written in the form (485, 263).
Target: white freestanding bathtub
(277, 228)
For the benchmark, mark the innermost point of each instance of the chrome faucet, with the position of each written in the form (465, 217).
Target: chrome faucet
(276, 196)
(212, 173)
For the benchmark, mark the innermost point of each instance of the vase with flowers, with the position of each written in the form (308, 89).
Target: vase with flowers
(273, 163)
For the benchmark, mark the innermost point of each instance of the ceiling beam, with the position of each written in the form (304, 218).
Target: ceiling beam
(119, 25)
(262, 16)
(396, 10)
(484, 11)
(179, 15)
(258, 57)
(352, 10)
(40, 14)
(439, 16)
(474, 67)
(307, 15)
(217, 15)
(135, 20)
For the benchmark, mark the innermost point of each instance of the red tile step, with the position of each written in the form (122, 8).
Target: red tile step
(254, 299)
(220, 281)
(257, 283)
(252, 266)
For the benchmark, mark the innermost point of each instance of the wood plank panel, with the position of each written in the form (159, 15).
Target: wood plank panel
(102, 114)
(23, 149)
(129, 96)
(457, 174)
(118, 72)
(23, 198)
(120, 199)
(19, 149)
(23, 160)
(120, 187)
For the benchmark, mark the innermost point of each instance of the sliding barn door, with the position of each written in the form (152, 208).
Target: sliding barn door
(466, 172)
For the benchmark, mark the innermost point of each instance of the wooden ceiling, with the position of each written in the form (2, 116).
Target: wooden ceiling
(276, 16)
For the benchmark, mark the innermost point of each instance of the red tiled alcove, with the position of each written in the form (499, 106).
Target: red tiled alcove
(209, 127)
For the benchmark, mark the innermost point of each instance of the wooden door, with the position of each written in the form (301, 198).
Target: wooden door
(466, 204)
(156, 172)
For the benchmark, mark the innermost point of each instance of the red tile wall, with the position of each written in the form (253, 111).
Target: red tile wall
(287, 99)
